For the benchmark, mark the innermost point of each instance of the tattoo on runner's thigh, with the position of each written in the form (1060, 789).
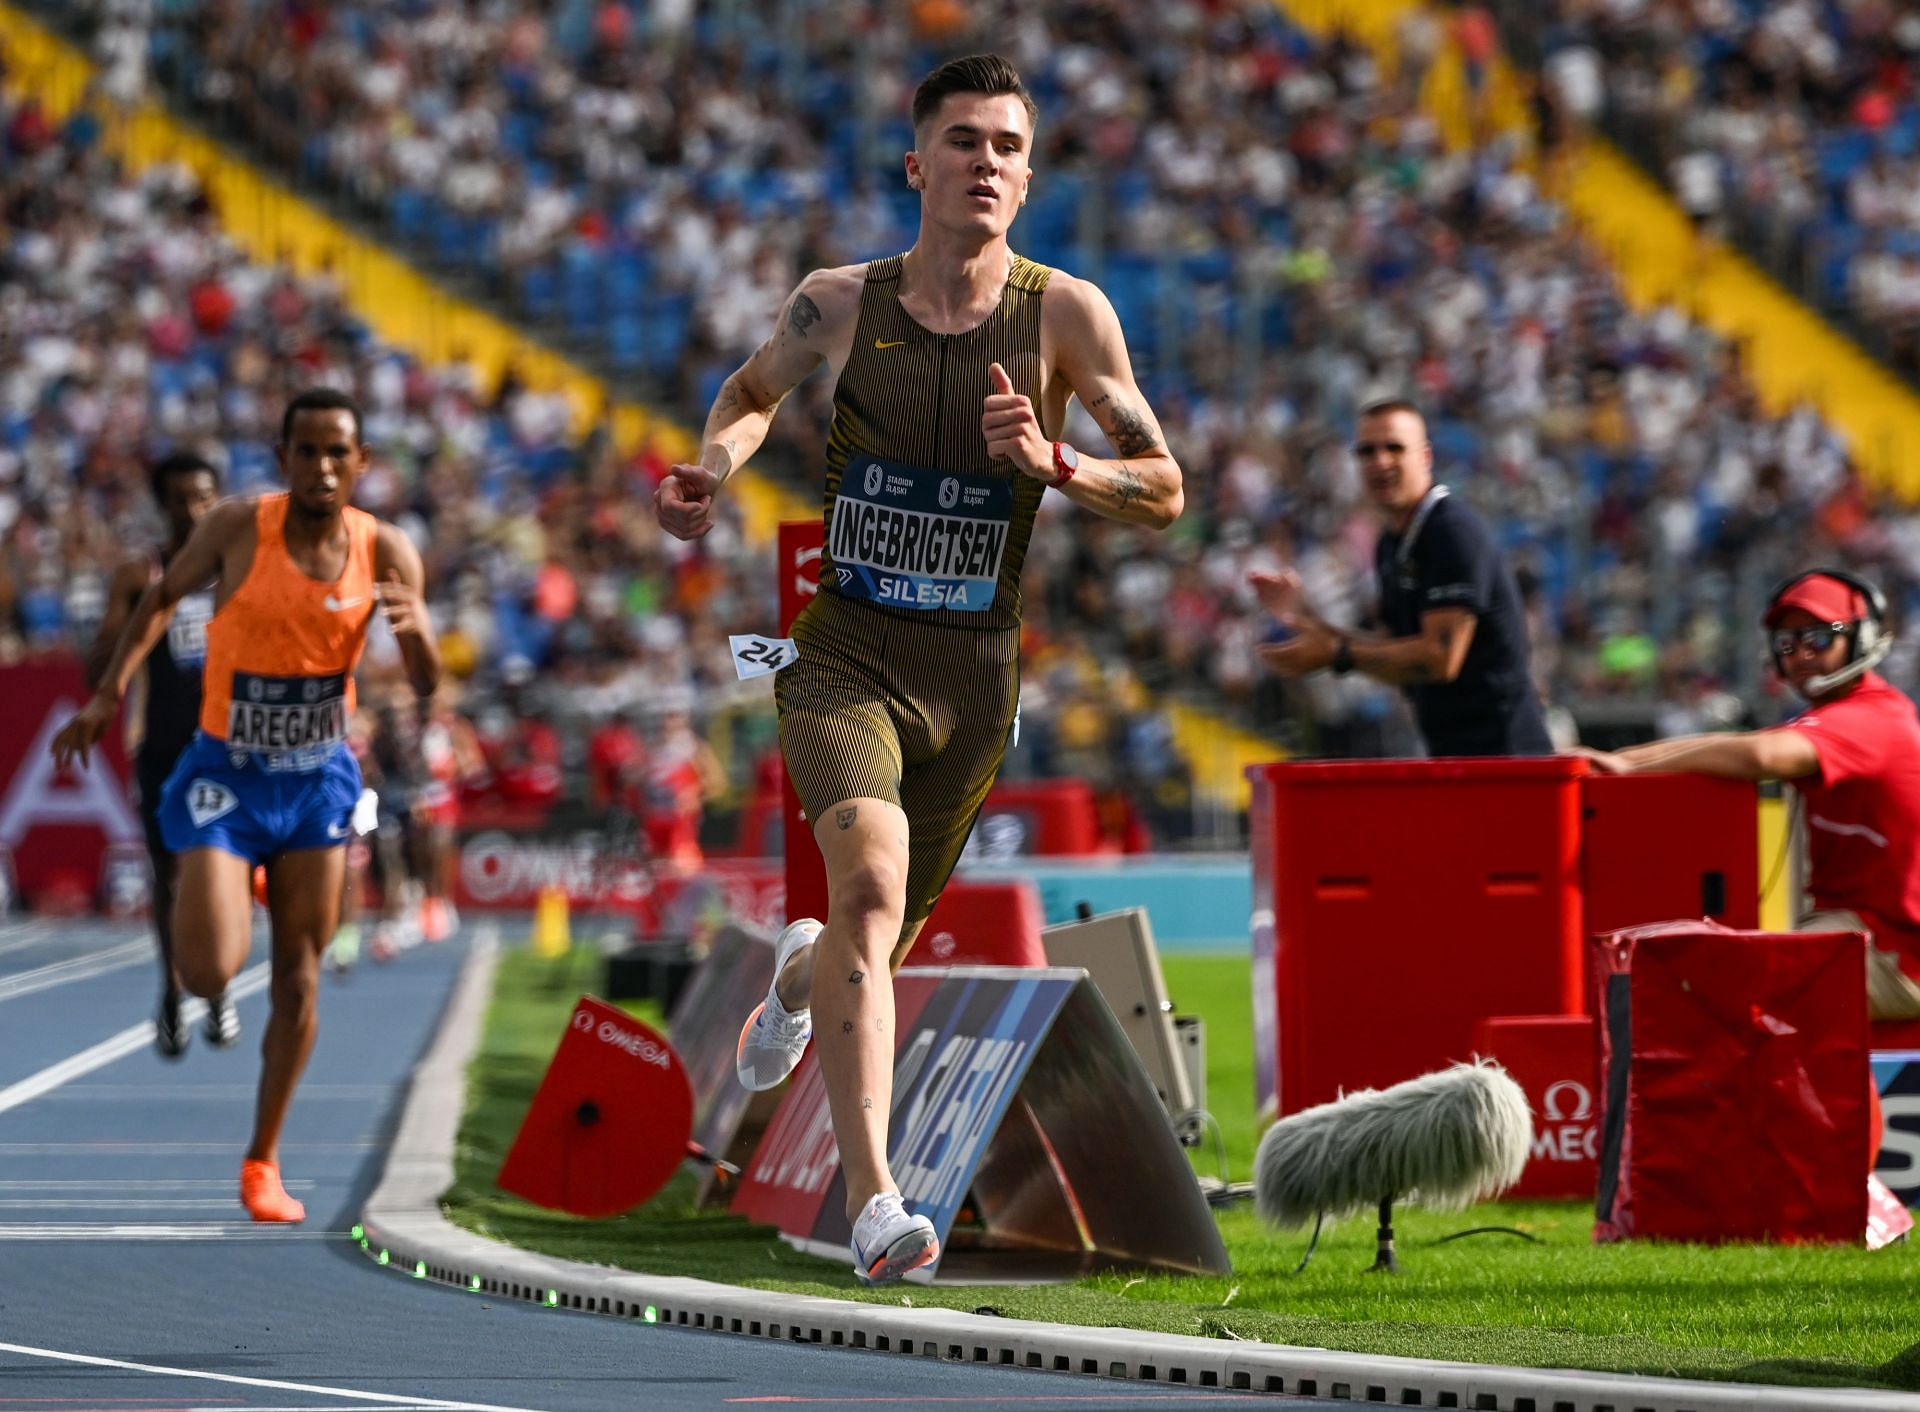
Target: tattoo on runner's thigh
(846, 816)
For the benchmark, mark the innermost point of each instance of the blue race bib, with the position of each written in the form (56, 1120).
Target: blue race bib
(907, 537)
(287, 723)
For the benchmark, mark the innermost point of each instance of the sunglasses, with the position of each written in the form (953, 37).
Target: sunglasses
(1364, 449)
(1820, 637)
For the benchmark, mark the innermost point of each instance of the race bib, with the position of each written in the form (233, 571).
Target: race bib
(756, 656)
(906, 537)
(291, 723)
(187, 629)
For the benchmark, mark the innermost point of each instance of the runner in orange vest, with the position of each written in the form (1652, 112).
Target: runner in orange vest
(269, 778)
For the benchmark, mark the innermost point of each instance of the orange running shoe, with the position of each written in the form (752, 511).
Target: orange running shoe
(260, 886)
(263, 1196)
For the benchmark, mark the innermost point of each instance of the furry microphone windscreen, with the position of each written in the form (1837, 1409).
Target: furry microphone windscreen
(1444, 1140)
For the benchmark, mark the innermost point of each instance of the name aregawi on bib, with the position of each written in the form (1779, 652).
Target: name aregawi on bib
(294, 723)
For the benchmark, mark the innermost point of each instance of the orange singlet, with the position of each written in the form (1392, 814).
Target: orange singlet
(281, 651)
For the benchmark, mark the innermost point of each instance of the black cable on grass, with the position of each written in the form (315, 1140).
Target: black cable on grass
(1487, 1230)
(1318, 1222)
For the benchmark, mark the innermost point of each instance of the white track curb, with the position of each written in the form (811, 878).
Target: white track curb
(404, 1228)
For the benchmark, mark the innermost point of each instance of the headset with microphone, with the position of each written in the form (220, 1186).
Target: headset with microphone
(1868, 642)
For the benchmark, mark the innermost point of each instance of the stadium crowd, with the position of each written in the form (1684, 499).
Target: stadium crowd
(1796, 121)
(1277, 223)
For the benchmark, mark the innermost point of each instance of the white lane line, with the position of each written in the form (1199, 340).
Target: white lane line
(207, 1092)
(131, 1184)
(106, 1148)
(19, 938)
(117, 1202)
(186, 1230)
(133, 1037)
(385, 1399)
(74, 968)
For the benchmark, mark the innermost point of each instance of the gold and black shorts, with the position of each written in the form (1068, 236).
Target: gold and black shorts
(879, 706)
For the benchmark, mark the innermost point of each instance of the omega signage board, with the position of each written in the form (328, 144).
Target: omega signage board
(1023, 1127)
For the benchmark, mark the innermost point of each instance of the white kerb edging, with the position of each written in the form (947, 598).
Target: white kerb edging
(404, 1228)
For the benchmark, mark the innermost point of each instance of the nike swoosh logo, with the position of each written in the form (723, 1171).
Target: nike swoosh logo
(895, 344)
(340, 605)
(336, 831)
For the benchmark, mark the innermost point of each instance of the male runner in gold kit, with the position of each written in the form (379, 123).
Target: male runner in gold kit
(953, 365)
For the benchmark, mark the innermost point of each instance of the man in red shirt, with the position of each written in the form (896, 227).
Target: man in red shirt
(1854, 756)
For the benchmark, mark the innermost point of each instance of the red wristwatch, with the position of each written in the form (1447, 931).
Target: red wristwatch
(1065, 462)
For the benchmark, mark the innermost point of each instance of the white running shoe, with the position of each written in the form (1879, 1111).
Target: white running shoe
(887, 1242)
(774, 1038)
(223, 1022)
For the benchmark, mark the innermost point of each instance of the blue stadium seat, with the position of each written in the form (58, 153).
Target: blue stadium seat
(582, 287)
(407, 214)
(668, 322)
(540, 291)
(629, 273)
(1842, 154)
(1455, 443)
(627, 342)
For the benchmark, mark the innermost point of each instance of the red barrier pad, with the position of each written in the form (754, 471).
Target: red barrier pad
(610, 1121)
(1894, 1034)
(1551, 1057)
(1736, 1080)
(1398, 903)
(1654, 847)
(1049, 817)
(982, 924)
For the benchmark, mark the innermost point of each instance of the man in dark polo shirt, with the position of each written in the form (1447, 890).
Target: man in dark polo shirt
(1454, 636)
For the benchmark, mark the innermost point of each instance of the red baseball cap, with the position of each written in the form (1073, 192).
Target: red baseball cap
(1822, 596)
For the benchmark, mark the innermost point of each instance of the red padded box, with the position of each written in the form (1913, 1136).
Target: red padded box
(1655, 847)
(1045, 817)
(1398, 903)
(1552, 1058)
(1735, 1075)
(982, 924)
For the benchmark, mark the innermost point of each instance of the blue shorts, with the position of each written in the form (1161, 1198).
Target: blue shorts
(211, 802)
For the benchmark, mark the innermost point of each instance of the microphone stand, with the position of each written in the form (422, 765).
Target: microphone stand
(1383, 1261)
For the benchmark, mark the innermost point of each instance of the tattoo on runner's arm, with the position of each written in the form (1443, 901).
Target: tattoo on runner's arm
(1129, 432)
(802, 315)
(846, 1027)
(1127, 485)
(846, 816)
(729, 399)
(866, 1103)
(856, 977)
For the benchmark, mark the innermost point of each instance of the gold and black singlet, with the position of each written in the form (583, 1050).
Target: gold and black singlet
(908, 678)
(918, 519)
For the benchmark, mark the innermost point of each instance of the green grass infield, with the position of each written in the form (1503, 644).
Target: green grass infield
(1815, 1316)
